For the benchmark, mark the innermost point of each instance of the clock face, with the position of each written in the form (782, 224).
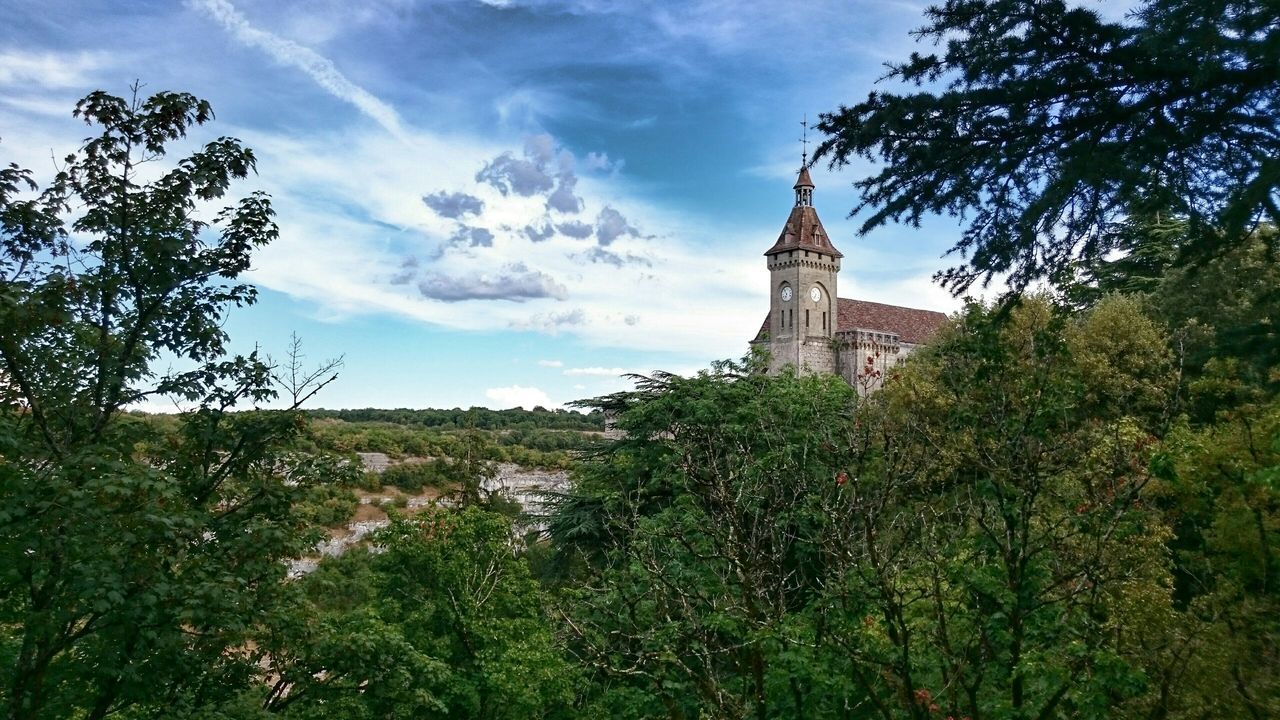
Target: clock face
(815, 294)
(786, 293)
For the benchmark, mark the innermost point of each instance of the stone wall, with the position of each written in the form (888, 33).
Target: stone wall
(865, 357)
(795, 323)
(817, 356)
(783, 353)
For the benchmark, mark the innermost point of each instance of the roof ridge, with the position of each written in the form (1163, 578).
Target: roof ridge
(884, 304)
(805, 234)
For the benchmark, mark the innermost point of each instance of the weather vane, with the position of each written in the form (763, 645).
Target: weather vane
(804, 141)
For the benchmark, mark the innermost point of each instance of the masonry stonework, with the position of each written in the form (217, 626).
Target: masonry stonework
(810, 329)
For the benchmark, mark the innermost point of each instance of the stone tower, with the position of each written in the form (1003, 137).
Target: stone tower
(803, 265)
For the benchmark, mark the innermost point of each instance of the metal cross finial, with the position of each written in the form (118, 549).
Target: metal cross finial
(804, 141)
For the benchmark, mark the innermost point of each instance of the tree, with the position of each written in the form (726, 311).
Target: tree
(1218, 488)
(132, 563)
(698, 531)
(1221, 313)
(446, 622)
(995, 542)
(1043, 126)
(969, 540)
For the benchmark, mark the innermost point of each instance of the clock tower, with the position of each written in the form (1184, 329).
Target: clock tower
(803, 265)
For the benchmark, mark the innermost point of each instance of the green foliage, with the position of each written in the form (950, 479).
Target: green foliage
(133, 562)
(697, 548)
(1221, 312)
(447, 622)
(1217, 488)
(476, 417)
(998, 533)
(329, 504)
(535, 448)
(968, 541)
(412, 476)
(1044, 126)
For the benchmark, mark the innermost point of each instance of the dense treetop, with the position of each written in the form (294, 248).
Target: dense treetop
(476, 417)
(1043, 126)
(1067, 506)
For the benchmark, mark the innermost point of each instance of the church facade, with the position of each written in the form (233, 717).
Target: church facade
(811, 328)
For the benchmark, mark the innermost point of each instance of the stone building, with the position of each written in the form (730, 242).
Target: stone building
(810, 327)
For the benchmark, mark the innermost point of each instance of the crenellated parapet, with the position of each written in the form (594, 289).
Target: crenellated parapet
(864, 339)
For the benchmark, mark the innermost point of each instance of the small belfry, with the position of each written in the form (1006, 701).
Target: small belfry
(809, 327)
(804, 185)
(804, 189)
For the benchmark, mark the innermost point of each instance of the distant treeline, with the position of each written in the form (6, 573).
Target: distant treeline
(476, 417)
(532, 448)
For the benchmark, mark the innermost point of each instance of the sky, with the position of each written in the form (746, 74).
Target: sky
(499, 202)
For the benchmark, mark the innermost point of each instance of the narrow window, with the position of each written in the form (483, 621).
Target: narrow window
(792, 313)
(806, 317)
(824, 321)
(782, 319)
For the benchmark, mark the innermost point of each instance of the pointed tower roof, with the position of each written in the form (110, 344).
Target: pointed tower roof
(804, 230)
(804, 180)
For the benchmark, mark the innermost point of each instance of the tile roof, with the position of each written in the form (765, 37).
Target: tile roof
(909, 324)
(804, 231)
(804, 180)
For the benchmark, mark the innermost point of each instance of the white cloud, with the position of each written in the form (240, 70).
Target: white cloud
(915, 292)
(596, 372)
(518, 395)
(349, 204)
(351, 209)
(319, 68)
(551, 363)
(48, 69)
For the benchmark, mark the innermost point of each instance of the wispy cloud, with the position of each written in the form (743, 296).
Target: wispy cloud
(49, 69)
(552, 323)
(596, 372)
(611, 225)
(319, 68)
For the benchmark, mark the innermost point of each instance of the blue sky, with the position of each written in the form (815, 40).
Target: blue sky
(503, 202)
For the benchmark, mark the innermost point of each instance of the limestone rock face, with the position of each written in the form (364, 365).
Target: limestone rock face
(374, 461)
(524, 485)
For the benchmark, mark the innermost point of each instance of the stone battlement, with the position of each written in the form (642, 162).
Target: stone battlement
(863, 338)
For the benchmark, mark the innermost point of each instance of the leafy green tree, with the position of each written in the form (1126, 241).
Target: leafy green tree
(458, 419)
(412, 476)
(1221, 313)
(446, 621)
(996, 539)
(330, 504)
(470, 467)
(1043, 126)
(971, 540)
(1218, 486)
(698, 535)
(133, 563)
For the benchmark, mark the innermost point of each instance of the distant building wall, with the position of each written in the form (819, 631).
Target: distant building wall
(865, 357)
(817, 356)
